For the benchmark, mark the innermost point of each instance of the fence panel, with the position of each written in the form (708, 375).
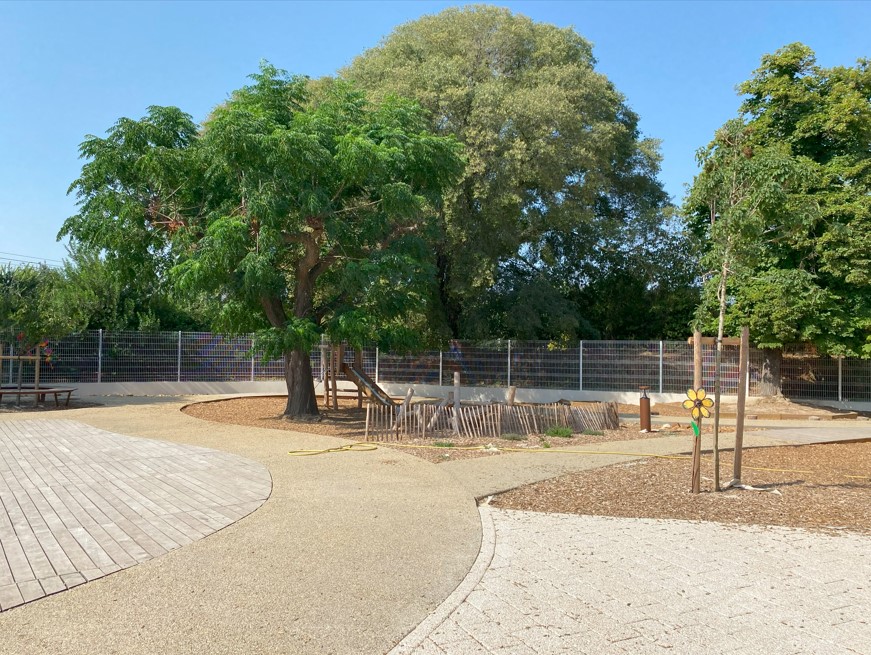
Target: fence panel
(140, 357)
(207, 357)
(479, 364)
(805, 375)
(856, 380)
(545, 365)
(620, 365)
(420, 368)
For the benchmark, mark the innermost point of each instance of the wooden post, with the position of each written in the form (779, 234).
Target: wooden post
(36, 369)
(368, 412)
(358, 364)
(744, 364)
(457, 403)
(697, 360)
(326, 358)
(697, 460)
(512, 391)
(338, 356)
(36, 378)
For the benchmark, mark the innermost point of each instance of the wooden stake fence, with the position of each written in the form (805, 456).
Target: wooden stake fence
(483, 421)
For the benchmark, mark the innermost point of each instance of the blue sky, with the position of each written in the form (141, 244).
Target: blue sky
(70, 69)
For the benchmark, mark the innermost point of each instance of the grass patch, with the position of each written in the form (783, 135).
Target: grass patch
(513, 437)
(557, 431)
(545, 444)
(593, 433)
(443, 444)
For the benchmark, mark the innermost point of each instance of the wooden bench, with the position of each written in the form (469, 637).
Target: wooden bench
(40, 393)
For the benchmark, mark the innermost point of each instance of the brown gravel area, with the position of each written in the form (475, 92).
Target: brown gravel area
(347, 422)
(819, 486)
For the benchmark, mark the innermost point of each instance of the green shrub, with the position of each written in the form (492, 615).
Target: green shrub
(443, 444)
(557, 431)
(593, 433)
(513, 437)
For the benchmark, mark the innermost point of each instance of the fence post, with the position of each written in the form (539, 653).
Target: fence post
(747, 378)
(509, 362)
(11, 365)
(841, 379)
(581, 366)
(99, 357)
(660, 366)
(377, 357)
(178, 360)
(252, 358)
(441, 369)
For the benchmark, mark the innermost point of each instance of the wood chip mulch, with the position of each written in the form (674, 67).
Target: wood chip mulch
(824, 487)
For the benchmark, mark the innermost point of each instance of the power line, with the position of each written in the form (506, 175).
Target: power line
(39, 259)
(24, 261)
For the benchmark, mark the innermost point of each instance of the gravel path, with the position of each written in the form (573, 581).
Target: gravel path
(561, 583)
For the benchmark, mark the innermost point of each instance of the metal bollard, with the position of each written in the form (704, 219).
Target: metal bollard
(644, 405)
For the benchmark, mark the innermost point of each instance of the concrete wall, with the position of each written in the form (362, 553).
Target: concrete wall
(481, 394)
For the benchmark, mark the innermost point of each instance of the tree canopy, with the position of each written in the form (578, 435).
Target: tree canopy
(300, 210)
(31, 309)
(559, 178)
(789, 183)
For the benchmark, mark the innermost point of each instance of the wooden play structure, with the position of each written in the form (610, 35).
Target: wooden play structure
(39, 393)
(335, 368)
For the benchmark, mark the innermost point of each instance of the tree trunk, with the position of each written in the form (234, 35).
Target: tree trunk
(769, 382)
(301, 400)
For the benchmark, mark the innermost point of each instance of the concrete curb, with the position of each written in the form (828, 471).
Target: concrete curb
(488, 546)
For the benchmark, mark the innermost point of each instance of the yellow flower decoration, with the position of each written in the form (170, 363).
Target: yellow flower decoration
(699, 403)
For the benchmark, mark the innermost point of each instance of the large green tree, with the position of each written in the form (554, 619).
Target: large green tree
(558, 173)
(299, 212)
(789, 184)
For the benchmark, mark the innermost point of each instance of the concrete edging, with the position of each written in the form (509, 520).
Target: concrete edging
(488, 546)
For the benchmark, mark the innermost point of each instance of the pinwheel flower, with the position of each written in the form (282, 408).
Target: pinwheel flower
(699, 403)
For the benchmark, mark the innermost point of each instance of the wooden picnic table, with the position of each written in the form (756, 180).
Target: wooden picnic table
(40, 393)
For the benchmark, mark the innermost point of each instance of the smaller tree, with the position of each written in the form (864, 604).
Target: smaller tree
(300, 212)
(750, 200)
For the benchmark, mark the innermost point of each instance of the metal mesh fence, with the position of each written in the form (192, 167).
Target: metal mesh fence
(806, 375)
(545, 365)
(664, 366)
(479, 364)
(856, 376)
(620, 365)
(420, 368)
(207, 357)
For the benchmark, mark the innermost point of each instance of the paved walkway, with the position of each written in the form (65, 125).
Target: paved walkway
(561, 583)
(352, 551)
(349, 553)
(78, 503)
